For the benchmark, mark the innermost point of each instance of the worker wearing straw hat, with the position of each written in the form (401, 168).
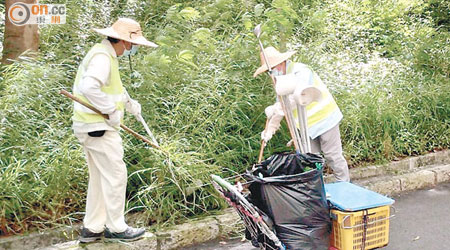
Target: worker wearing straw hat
(98, 83)
(323, 115)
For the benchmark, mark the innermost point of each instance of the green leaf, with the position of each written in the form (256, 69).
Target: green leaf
(186, 55)
(164, 59)
(247, 21)
(189, 13)
(259, 9)
(202, 34)
(171, 13)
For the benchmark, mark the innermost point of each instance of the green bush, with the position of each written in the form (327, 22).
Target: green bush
(384, 62)
(439, 10)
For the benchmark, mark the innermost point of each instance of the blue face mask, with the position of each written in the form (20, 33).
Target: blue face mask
(134, 49)
(276, 72)
(130, 52)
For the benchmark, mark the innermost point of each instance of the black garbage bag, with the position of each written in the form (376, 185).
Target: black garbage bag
(289, 188)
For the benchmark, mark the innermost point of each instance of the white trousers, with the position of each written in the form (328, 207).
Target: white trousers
(329, 143)
(107, 182)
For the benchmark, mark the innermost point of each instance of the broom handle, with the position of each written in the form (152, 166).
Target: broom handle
(89, 106)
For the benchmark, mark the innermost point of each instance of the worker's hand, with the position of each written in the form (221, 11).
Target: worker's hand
(272, 126)
(269, 111)
(274, 109)
(114, 118)
(266, 135)
(133, 107)
(290, 143)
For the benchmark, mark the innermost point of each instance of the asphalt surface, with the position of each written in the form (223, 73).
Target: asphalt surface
(422, 222)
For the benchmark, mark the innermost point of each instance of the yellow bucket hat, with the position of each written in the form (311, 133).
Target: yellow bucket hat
(274, 57)
(128, 30)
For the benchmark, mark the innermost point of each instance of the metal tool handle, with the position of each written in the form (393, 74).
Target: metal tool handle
(303, 123)
(284, 99)
(141, 119)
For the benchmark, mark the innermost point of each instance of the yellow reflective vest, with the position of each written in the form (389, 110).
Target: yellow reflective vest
(322, 115)
(114, 90)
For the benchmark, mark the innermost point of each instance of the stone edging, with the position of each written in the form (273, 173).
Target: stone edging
(404, 175)
(396, 167)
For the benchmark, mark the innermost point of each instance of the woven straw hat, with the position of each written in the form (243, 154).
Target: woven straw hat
(274, 57)
(128, 30)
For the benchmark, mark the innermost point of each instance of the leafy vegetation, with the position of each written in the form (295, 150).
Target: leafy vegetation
(387, 63)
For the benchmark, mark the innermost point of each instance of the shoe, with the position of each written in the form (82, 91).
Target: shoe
(130, 234)
(86, 236)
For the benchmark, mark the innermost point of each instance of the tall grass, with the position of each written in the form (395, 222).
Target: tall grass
(388, 71)
(41, 168)
(382, 67)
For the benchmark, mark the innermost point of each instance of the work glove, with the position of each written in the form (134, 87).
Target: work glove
(266, 135)
(114, 118)
(274, 109)
(272, 126)
(133, 107)
(269, 111)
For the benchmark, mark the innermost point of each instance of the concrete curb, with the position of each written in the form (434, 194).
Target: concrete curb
(405, 175)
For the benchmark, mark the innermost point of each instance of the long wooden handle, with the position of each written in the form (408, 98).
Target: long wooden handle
(89, 106)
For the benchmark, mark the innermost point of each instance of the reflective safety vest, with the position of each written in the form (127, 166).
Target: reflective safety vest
(322, 115)
(114, 89)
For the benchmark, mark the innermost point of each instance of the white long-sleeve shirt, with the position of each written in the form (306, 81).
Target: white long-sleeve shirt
(96, 75)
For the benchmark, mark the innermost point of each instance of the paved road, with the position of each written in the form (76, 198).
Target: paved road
(422, 222)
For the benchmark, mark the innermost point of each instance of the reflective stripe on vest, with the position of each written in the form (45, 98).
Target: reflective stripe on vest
(114, 89)
(322, 115)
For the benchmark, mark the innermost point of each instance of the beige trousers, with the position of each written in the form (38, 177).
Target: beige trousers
(329, 143)
(107, 182)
